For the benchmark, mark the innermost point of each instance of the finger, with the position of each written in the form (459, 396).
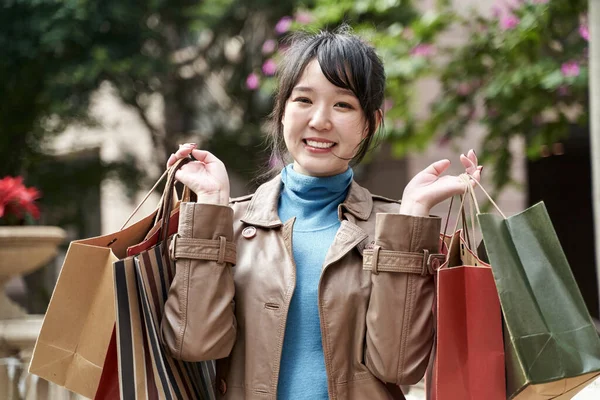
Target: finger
(172, 159)
(204, 156)
(185, 150)
(477, 175)
(468, 164)
(472, 156)
(438, 167)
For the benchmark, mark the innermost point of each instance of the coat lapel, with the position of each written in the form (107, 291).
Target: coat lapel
(347, 237)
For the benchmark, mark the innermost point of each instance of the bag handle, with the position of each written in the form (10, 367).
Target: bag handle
(470, 177)
(462, 211)
(468, 193)
(186, 193)
(144, 199)
(167, 205)
(458, 220)
(168, 192)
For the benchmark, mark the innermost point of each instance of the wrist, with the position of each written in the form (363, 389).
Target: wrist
(414, 208)
(218, 198)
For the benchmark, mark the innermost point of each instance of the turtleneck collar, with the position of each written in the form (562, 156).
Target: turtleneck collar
(315, 187)
(312, 200)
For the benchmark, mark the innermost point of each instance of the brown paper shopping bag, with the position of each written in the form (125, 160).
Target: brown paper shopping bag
(78, 325)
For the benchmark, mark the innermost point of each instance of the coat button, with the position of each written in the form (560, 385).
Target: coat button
(249, 232)
(222, 387)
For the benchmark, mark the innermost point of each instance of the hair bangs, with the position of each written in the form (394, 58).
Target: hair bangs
(338, 65)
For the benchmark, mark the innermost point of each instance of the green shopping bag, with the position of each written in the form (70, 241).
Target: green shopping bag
(551, 345)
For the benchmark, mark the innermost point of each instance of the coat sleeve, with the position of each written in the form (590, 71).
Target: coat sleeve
(199, 321)
(400, 325)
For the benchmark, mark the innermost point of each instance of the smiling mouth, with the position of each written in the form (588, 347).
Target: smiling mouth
(319, 145)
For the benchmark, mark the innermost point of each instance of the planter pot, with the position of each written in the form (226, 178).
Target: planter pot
(23, 249)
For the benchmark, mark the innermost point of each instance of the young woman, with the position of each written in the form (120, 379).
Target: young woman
(312, 287)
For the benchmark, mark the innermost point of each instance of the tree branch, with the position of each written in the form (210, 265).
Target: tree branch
(155, 133)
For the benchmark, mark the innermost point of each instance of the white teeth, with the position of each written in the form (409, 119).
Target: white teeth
(320, 145)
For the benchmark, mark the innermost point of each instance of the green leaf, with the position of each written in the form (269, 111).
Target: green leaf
(553, 80)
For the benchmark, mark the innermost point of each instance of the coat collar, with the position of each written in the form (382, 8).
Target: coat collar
(262, 210)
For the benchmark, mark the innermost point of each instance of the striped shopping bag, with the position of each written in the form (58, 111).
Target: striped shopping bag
(145, 368)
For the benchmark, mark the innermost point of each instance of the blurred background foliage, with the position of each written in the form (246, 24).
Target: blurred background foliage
(520, 71)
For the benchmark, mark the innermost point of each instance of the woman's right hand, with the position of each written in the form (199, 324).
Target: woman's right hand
(207, 176)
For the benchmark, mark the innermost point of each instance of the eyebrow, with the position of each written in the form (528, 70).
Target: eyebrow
(309, 89)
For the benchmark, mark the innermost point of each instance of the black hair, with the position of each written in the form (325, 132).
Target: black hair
(347, 62)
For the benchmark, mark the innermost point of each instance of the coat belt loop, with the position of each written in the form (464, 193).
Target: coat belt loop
(374, 268)
(222, 244)
(425, 270)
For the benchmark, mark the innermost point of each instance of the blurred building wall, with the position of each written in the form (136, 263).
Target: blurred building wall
(121, 131)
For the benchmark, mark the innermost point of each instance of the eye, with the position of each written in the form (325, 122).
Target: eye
(302, 100)
(344, 105)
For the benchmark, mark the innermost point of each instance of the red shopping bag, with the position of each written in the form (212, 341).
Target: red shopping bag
(468, 360)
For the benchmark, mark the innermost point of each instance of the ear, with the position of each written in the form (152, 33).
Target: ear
(378, 119)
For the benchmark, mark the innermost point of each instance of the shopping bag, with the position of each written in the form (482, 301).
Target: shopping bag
(142, 282)
(468, 355)
(185, 380)
(108, 387)
(72, 345)
(552, 347)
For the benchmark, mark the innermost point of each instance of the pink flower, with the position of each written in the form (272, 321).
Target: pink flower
(269, 46)
(269, 67)
(252, 81)
(563, 91)
(509, 22)
(422, 50)
(388, 104)
(584, 31)
(464, 89)
(570, 69)
(283, 25)
(496, 11)
(304, 17)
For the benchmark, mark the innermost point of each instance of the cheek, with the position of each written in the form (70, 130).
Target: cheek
(357, 127)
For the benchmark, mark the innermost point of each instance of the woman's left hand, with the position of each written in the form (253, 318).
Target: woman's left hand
(429, 188)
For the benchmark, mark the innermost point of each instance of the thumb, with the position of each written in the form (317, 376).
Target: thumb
(438, 167)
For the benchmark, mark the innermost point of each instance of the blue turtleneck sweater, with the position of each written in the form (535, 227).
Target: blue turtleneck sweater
(314, 202)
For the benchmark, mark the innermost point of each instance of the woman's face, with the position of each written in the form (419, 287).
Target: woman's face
(322, 124)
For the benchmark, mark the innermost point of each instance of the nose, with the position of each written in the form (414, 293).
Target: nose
(320, 120)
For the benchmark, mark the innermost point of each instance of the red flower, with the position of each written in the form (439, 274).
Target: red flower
(16, 199)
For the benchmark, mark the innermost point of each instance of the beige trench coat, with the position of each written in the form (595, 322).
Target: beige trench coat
(236, 276)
